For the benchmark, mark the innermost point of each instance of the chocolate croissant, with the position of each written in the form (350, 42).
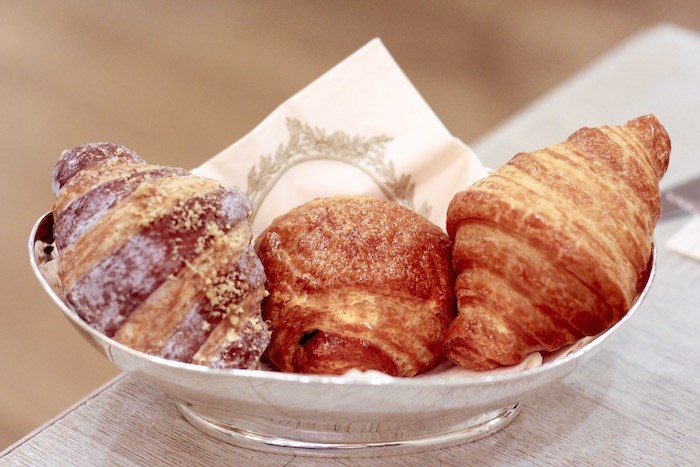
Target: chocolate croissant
(356, 282)
(554, 245)
(157, 258)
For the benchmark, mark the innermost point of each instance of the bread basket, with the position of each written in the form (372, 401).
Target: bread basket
(359, 414)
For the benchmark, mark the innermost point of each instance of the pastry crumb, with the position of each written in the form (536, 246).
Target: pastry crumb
(232, 335)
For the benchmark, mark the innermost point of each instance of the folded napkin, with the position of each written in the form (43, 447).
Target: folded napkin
(361, 128)
(687, 240)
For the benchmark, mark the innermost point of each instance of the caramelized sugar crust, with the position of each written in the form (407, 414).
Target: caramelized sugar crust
(356, 282)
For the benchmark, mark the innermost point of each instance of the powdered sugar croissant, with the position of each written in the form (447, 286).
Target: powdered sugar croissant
(553, 246)
(157, 258)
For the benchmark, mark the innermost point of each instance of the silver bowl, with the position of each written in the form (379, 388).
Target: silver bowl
(358, 414)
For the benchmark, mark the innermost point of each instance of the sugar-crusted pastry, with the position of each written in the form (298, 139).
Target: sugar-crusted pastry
(356, 282)
(553, 246)
(157, 258)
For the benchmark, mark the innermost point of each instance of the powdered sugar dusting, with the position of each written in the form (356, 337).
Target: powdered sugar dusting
(106, 296)
(235, 205)
(188, 337)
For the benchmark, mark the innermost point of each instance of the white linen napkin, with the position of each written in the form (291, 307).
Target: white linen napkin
(361, 128)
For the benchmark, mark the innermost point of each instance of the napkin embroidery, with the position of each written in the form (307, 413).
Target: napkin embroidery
(359, 129)
(308, 143)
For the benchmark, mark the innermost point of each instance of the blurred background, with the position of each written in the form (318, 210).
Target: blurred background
(179, 81)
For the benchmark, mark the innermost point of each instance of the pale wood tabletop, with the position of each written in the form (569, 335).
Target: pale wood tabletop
(637, 402)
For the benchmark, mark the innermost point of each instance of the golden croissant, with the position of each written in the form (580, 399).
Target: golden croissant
(157, 258)
(554, 245)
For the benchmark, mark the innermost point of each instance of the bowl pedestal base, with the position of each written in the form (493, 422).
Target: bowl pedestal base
(350, 444)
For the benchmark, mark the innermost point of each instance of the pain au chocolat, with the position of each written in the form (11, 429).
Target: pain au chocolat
(157, 258)
(554, 245)
(356, 282)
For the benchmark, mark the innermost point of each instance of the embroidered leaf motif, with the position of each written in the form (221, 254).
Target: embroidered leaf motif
(307, 143)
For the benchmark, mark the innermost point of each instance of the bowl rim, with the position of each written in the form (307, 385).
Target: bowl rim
(361, 379)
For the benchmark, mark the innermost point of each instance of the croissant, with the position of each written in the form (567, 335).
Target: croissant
(356, 282)
(553, 246)
(157, 258)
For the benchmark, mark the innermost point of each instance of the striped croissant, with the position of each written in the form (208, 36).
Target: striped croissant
(554, 245)
(157, 258)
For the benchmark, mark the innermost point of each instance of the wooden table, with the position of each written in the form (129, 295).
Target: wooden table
(636, 403)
